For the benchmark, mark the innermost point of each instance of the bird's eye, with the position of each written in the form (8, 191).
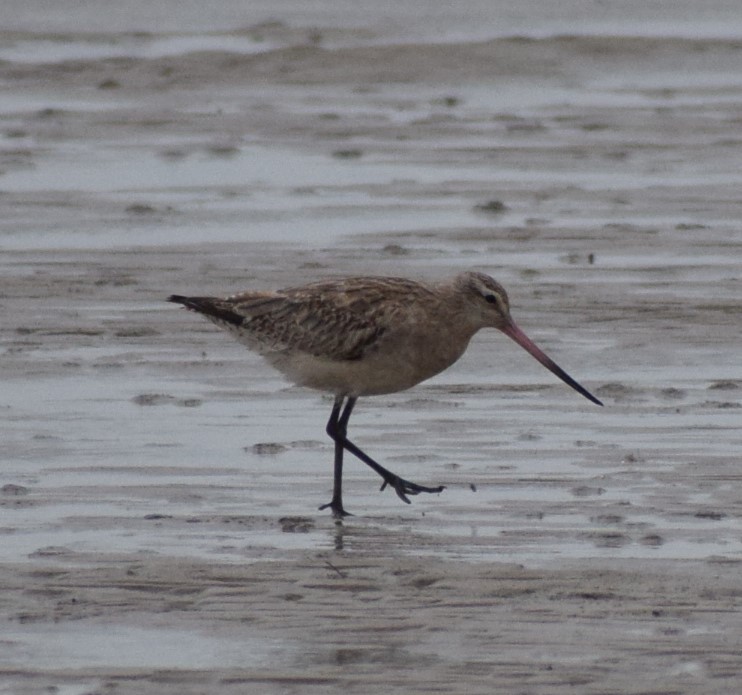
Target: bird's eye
(490, 298)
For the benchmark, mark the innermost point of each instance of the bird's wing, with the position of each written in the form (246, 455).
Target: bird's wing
(329, 319)
(339, 320)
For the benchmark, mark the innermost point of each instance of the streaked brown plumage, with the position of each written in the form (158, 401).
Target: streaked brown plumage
(362, 336)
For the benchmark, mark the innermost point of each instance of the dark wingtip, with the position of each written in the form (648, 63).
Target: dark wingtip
(209, 306)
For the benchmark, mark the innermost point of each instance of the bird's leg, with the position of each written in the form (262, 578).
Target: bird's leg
(336, 428)
(339, 434)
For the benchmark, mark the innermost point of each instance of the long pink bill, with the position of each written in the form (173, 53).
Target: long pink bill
(512, 331)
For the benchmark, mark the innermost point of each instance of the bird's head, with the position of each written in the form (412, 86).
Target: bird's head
(489, 307)
(486, 299)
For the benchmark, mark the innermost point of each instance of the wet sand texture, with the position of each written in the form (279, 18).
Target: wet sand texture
(159, 484)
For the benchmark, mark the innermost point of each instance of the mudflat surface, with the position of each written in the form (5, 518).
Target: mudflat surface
(159, 484)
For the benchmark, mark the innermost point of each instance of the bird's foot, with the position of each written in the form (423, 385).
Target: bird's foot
(337, 509)
(404, 487)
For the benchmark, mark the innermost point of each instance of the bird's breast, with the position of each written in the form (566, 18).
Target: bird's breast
(396, 362)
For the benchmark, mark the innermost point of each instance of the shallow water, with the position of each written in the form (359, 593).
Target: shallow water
(160, 485)
(75, 647)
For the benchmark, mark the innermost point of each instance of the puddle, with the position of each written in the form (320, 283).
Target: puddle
(76, 47)
(87, 645)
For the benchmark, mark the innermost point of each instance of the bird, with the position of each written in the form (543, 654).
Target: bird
(364, 336)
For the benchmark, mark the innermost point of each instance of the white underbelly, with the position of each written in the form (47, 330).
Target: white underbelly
(371, 375)
(396, 365)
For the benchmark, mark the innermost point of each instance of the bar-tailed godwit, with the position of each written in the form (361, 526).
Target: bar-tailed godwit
(362, 336)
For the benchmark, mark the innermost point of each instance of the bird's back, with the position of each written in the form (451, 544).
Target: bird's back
(334, 319)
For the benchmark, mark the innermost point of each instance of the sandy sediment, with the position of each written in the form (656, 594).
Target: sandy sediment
(159, 487)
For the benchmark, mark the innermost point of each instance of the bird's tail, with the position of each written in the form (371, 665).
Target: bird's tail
(210, 307)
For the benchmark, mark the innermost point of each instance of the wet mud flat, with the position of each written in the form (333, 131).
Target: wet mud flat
(160, 486)
(331, 620)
